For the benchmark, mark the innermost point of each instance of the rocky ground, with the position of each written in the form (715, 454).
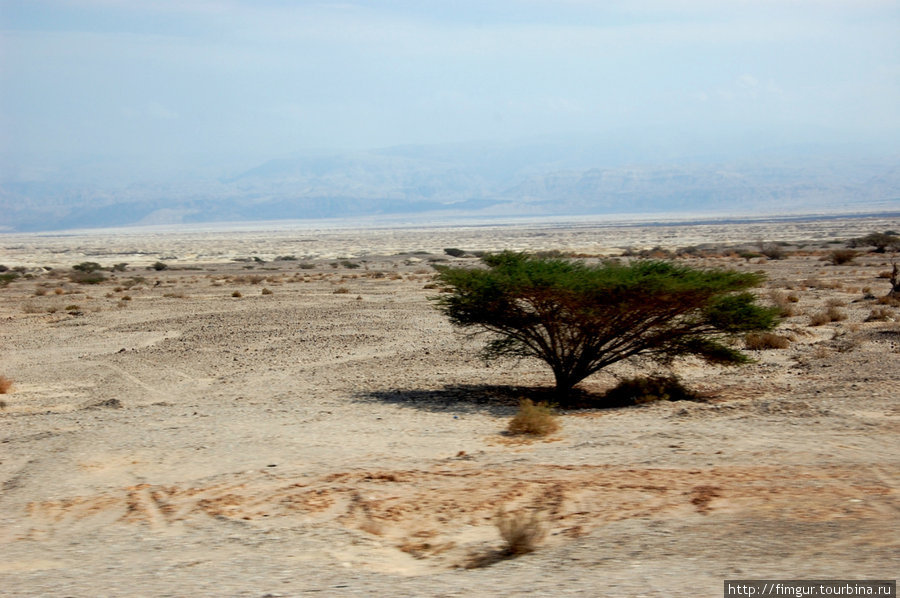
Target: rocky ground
(241, 425)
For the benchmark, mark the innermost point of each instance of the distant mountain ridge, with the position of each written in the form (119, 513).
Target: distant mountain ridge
(463, 179)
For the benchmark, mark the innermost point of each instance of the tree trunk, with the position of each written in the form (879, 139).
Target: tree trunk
(565, 383)
(895, 281)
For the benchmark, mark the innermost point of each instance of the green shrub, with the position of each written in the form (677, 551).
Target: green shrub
(8, 277)
(81, 277)
(635, 391)
(880, 241)
(87, 267)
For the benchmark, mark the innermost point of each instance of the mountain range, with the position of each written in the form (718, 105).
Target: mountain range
(477, 180)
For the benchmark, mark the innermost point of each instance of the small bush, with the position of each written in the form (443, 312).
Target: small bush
(87, 267)
(5, 385)
(454, 252)
(8, 277)
(772, 251)
(236, 294)
(349, 264)
(891, 300)
(266, 291)
(880, 241)
(521, 533)
(286, 258)
(120, 267)
(81, 277)
(341, 291)
(159, 266)
(766, 340)
(841, 256)
(784, 303)
(635, 391)
(832, 314)
(533, 420)
(881, 314)
(307, 266)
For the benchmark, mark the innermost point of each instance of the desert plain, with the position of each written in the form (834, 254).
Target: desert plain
(282, 412)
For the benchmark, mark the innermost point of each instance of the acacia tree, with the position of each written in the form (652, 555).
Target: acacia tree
(581, 318)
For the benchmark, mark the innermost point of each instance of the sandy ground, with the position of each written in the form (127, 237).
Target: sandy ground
(334, 435)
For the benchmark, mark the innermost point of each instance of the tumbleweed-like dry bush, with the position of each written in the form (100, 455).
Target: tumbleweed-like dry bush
(533, 420)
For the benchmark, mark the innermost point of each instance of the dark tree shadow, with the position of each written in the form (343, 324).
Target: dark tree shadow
(498, 400)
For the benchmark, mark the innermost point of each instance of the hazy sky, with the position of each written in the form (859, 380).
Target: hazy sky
(191, 83)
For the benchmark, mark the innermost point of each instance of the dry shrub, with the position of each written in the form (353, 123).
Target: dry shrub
(30, 308)
(881, 314)
(832, 314)
(784, 303)
(521, 533)
(766, 340)
(266, 291)
(841, 256)
(341, 291)
(237, 294)
(5, 385)
(891, 300)
(534, 420)
(821, 352)
(884, 274)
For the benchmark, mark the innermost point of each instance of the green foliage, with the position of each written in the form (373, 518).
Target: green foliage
(8, 277)
(635, 391)
(581, 318)
(87, 267)
(82, 277)
(880, 241)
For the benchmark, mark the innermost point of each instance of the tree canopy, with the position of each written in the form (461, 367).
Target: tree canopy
(581, 318)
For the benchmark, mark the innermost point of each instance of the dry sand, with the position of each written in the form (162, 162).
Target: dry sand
(336, 436)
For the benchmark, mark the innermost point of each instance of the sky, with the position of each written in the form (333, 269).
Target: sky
(145, 88)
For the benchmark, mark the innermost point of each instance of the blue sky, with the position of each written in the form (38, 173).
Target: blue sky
(148, 88)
